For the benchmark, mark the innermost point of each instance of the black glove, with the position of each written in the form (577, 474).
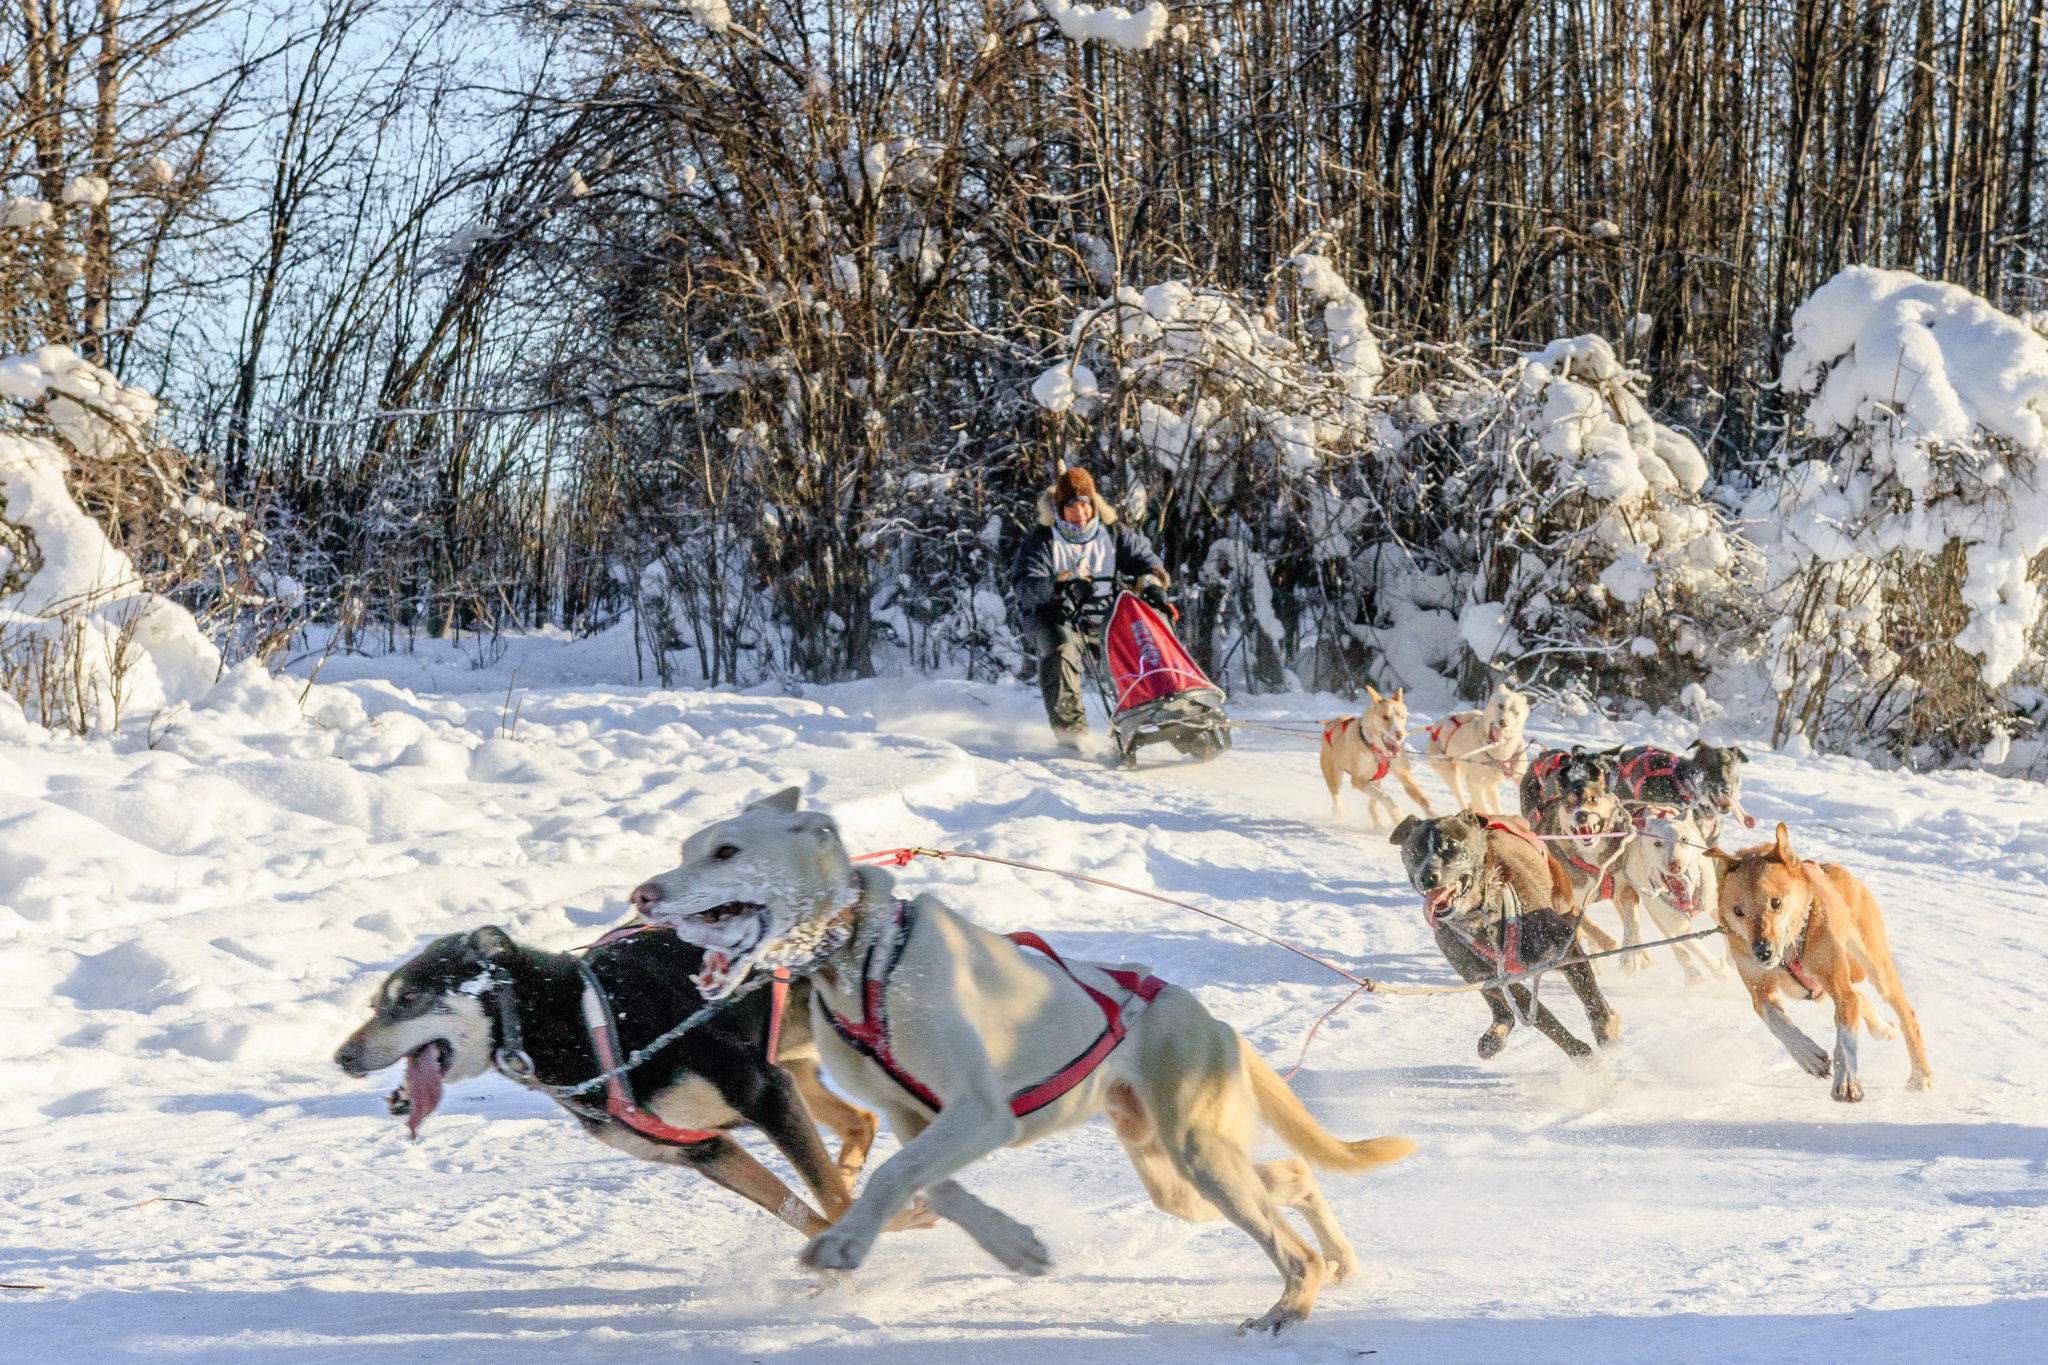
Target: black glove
(1154, 596)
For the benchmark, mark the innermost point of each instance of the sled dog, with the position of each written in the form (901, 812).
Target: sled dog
(1814, 929)
(1475, 751)
(1499, 905)
(1665, 864)
(444, 1014)
(1366, 748)
(1707, 782)
(968, 1042)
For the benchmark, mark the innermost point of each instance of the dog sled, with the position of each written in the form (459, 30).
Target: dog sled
(1152, 689)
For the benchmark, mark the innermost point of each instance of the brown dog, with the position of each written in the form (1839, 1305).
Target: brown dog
(1815, 928)
(1366, 748)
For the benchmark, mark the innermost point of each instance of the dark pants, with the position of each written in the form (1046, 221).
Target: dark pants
(1059, 646)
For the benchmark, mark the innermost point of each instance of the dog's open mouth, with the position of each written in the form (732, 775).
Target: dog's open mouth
(1680, 893)
(723, 969)
(424, 1068)
(1443, 897)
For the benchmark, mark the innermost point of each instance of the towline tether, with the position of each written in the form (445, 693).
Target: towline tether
(904, 856)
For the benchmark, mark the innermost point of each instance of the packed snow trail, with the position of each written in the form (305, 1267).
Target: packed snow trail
(191, 929)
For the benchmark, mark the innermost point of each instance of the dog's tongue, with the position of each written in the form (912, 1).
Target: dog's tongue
(423, 1085)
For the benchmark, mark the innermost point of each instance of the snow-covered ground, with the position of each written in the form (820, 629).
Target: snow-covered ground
(189, 930)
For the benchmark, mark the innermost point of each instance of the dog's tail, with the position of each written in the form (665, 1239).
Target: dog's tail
(1282, 1109)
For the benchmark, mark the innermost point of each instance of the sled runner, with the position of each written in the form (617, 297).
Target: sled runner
(1152, 690)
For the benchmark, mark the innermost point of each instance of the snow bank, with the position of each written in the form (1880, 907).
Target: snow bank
(87, 640)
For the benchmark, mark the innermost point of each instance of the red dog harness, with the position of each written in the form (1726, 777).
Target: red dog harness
(1334, 728)
(618, 1101)
(870, 1037)
(1605, 891)
(1508, 960)
(1646, 765)
(1437, 733)
(1796, 963)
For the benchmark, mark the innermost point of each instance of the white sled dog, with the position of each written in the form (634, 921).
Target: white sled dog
(959, 1037)
(1475, 751)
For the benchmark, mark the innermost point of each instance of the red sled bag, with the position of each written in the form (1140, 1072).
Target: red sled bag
(1160, 694)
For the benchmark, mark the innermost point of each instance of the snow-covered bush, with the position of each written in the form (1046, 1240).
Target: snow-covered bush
(1572, 542)
(84, 641)
(1904, 517)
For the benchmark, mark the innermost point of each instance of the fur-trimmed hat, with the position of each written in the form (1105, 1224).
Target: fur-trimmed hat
(1073, 483)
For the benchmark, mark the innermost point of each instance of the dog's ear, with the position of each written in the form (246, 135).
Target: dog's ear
(1372, 692)
(1740, 757)
(489, 943)
(783, 802)
(1402, 830)
(819, 826)
(1400, 692)
(1785, 853)
(1473, 818)
(1722, 856)
(1695, 744)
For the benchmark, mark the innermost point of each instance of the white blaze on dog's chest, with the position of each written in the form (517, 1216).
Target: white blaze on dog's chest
(693, 1102)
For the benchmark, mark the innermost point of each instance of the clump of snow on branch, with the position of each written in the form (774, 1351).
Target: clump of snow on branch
(83, 641)
(1111, 24)
(1912, 479)
(715, 15)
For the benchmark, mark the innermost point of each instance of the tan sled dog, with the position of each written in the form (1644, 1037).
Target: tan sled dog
(969, 1043)
(1366, 748)
(1814, 928)
(1475, 751)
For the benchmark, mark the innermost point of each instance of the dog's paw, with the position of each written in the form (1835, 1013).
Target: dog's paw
(1607, 1028)
(1493, 1040)
(1847, 1088)
(834, 1249)
(1878, 1028)
(1015, 1245)
(1812, 1057)
(1635, 962)
(916, 1216)
(1920, 1080)
(1337, 1270)
(1272, 1322)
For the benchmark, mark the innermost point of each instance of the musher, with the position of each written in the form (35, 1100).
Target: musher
(1077, 541)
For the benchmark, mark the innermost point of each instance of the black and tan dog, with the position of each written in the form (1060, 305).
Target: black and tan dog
(1499, 905)
(449, 1011)
(1568, 797)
